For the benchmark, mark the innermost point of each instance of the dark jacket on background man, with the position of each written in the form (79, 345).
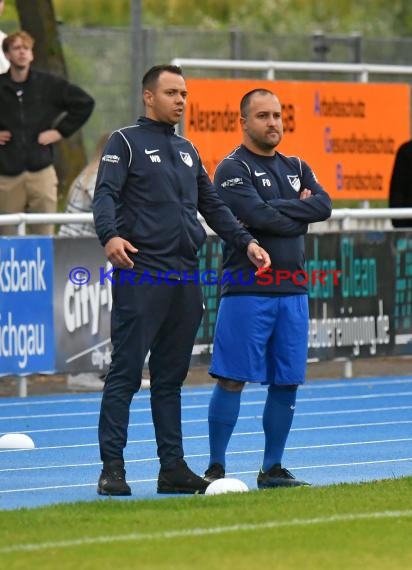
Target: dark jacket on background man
(400, 190)
(45, 101)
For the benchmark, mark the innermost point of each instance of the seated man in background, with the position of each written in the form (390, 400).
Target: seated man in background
(81, 192)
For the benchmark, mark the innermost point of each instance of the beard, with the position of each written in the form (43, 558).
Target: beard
(264, 144)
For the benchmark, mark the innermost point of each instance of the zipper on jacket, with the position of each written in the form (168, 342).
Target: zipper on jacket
(170, 140)
(19, 95)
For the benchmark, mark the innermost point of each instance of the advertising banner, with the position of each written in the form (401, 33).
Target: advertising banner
(82, 304)
(26, 310)
(82, 301)
(401, 254)
(360, 294)
(55, 300)
(347, 132)
(351, 295)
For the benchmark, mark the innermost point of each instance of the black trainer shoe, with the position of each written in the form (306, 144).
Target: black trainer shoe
(278, 476)
(112, 480)
(180, 480)
(214, 472)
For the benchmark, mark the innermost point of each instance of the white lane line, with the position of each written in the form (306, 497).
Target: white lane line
(355, 397)
(202, 455)
(48, 416)
(193, 392)
(205, 406)
(240, 418)
(137, 441)
(354, 411)
(204, 531)
(76, 465)
(290, 448)
(25, 402)
(348, 426)
(355, 382)
(334, 465)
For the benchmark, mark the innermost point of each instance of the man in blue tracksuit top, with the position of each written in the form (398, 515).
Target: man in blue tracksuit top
(261, 332)
(150, 185)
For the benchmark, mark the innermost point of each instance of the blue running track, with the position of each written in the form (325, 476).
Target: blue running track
(344, 431)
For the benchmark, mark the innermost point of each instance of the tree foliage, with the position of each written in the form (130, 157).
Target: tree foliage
(37, 17)
(369, 17)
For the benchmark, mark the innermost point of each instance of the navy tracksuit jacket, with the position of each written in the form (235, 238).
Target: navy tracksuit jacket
(263, 193)
(150, 185)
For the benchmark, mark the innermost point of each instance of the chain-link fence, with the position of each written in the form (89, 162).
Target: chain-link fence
(102, 62)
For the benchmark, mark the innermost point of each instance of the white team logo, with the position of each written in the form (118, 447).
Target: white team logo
(113, 158)
(294, 181)
(187, 159)
(232, 182)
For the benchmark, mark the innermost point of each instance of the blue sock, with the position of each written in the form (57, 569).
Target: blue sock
(223, 413)
(277, 420)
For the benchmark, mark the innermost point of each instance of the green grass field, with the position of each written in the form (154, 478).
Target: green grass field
(366, 526)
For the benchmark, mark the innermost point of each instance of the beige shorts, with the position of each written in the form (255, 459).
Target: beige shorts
(29, 192)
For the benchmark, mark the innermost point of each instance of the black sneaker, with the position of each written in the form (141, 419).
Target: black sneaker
(180, 480)
(112, 480)
(278, 476)
(214, 472)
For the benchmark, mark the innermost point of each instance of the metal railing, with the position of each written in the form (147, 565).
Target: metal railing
(362, 70)
(21, 220)
(343, 215)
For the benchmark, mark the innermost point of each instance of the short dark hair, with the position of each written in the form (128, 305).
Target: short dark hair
(245, 101)
(151, 76)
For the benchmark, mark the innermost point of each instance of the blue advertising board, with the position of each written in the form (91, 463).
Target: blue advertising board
(27, 342)
(50, 321)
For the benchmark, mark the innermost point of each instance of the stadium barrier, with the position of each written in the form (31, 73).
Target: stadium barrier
(362, 71)
(55, 297)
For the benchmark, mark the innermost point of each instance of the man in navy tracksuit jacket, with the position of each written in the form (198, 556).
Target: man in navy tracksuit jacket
(261, 333)
(150, 185)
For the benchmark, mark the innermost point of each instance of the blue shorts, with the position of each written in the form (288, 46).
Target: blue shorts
(261, 339)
